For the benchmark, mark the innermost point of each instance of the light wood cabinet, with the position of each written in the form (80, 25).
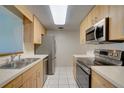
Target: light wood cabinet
(116, 17)
(98, 81)
(103, 11)
(25, 12)
(92, 17)
(96, 14)
(89, 20)
(39, 79)
(16, 83)
(37, 31)
(45, 69)
(33, 27)
(116, 23)
(83, 28)
(32, 78)
(9, 85)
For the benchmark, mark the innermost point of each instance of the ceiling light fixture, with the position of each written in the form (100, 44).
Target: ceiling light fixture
(58, 13)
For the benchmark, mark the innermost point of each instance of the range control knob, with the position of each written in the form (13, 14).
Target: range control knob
(115, 54)
(111, 54)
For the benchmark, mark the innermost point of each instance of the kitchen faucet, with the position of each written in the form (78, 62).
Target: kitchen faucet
(12, 57)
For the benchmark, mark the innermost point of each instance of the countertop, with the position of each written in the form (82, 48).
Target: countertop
(7, 75)
(113, 74)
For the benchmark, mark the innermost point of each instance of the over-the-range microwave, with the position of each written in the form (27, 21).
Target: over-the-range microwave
(98, 32)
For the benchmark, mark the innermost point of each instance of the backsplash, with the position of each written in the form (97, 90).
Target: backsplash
(3, 60)
(89, 47)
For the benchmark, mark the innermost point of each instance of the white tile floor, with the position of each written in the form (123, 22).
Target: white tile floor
(63, 78)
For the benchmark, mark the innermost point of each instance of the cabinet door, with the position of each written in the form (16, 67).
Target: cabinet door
(45, 62)
(98, 81)
(39, 79)
(37, 31)
(89, 20)
(94, 15)
(28, 83)
(83, 28)
(103, 11)
(34, 80)
(116, 23)
(40, 76)
(18, 82)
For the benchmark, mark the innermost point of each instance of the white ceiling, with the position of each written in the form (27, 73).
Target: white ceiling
(75, 14)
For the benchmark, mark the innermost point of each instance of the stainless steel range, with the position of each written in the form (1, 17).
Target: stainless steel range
(102, 57)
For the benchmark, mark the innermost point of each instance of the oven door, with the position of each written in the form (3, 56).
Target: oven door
(90, 35)
(82, 76)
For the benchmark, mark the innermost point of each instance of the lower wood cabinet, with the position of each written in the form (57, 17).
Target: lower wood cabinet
(16, 83)
(32, 78)
(98, 81)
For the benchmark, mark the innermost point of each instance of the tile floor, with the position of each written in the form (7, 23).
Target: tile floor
(63, 78)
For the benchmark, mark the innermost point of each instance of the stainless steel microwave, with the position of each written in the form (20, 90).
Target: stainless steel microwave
(98, 32)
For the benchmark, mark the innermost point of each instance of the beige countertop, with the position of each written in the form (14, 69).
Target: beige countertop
(113, 74)
(6, 75)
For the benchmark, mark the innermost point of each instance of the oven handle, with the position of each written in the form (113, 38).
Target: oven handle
(87, 71)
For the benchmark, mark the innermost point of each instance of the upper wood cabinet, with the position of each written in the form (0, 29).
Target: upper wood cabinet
(39, 30)
(25, 12)
(116, 22)
(97, 13)
(43, 30)
(89, 19)
(103, 11)
(83, 28)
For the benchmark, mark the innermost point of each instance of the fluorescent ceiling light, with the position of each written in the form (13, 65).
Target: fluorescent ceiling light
(58, 13)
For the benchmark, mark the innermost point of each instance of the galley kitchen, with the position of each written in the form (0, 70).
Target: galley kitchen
(80, 47)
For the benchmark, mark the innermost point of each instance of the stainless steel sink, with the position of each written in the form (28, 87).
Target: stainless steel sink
(19, 64)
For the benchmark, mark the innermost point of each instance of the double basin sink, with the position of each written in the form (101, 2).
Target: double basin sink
(19, 64)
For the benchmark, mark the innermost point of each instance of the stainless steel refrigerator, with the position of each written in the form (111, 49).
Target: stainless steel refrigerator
(48, 46)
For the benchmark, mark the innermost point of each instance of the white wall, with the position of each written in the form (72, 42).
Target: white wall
(67, 44)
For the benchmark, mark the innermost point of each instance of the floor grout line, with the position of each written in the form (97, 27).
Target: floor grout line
(58, 76)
